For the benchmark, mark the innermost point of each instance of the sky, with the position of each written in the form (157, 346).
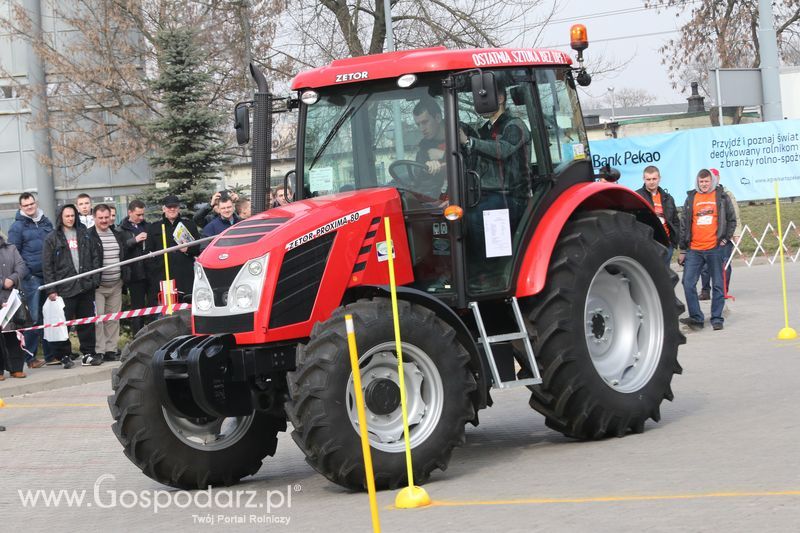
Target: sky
(621, 31)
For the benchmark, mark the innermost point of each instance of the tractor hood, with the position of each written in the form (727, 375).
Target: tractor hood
(287, 227)
(271, 276)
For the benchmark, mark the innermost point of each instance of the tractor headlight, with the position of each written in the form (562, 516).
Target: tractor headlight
(244, 296)
(203, 299)
(255, 267)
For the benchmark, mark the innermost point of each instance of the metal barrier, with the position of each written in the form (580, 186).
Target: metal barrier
(766, 236)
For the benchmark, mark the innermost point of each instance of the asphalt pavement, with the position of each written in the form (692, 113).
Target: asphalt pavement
(723, 457)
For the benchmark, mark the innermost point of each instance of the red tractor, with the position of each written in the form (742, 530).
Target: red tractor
(515, 268)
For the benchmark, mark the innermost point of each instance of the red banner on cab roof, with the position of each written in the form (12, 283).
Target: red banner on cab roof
(395, 64)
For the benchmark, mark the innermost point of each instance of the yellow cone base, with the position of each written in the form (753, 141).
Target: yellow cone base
(2, 403)
(787, 334)
(411, 498)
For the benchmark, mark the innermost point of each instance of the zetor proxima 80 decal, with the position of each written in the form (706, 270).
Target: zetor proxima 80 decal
(327, 228)
(515, 268)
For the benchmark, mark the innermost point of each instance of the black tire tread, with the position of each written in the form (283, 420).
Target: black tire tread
(309, 411)
(565, 396)
(149, 443)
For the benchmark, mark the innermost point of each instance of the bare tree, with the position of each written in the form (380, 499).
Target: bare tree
(320, 32)
(723, 33)
(100, 62)
(628, 97)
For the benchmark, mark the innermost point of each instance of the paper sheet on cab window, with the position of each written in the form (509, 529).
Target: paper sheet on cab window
(497, 231)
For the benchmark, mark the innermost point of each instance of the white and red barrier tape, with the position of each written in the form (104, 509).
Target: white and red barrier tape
(145, 311)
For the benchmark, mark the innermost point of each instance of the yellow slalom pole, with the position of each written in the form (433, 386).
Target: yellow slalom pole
(362, 422)
(786, 333)
(167, 288)
(411, 496)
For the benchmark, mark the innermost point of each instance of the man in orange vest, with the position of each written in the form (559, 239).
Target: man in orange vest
(664, 206)
(708, 225)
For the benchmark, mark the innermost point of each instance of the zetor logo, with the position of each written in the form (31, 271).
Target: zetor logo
(352, 76)
(628, 157)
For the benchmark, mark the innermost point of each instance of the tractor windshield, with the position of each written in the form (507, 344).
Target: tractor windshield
(372, 134)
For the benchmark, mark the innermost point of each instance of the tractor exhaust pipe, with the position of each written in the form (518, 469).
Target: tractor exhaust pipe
(262, 142)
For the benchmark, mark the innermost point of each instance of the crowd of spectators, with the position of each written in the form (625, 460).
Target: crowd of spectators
(704, 234)
(84, 238)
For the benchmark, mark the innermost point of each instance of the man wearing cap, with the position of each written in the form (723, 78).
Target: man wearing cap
(181, 262)
(705, 276)
(708, 225)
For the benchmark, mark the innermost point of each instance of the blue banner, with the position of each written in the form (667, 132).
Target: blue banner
(749, 157)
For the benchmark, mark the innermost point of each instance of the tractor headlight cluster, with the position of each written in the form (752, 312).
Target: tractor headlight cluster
(242, 296)
(246, 288)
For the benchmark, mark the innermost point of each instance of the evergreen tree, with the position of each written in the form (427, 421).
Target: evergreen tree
(191, 148)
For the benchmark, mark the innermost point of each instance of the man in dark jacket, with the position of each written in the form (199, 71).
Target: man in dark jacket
(708, 225)
(227, 217)
(68, 251)
(28, 233)
(12, 272)
(143, 290)
(181, 262)
(664, 206)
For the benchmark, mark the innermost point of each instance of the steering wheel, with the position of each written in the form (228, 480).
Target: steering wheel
(405, 172)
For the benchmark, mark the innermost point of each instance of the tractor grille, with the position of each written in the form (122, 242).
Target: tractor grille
(221, 280)
(298, 282)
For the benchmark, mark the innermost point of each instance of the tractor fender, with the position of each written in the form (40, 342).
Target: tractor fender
(478, 364)
(579, 198)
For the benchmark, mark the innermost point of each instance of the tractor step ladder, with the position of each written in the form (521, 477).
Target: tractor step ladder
(522, 334)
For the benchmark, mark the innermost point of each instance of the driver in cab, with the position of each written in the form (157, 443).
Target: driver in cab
(428, 118)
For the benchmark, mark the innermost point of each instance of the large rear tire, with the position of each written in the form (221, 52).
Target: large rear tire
(438, 386)
(180, 452)
(606, 330)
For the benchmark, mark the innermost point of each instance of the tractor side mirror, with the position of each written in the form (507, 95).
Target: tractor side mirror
(241, 122)
(290, 184)
(484, 93)
(609, 174)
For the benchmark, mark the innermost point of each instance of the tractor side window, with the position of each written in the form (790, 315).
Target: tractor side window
(562, 117)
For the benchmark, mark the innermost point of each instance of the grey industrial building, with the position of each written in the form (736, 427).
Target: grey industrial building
(20, 168)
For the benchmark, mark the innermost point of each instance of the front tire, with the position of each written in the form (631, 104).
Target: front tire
(180, 452)
(606, 328)
(438, 388)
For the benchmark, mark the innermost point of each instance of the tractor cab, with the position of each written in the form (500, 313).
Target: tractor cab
(473, 142)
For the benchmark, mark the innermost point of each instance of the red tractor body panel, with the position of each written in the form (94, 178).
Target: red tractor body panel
(395, 64)
(355, 258)
(581, 197)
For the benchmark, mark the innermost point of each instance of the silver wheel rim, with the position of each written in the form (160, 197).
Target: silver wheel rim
(216, 434)
(624, 324)
(424, 396)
